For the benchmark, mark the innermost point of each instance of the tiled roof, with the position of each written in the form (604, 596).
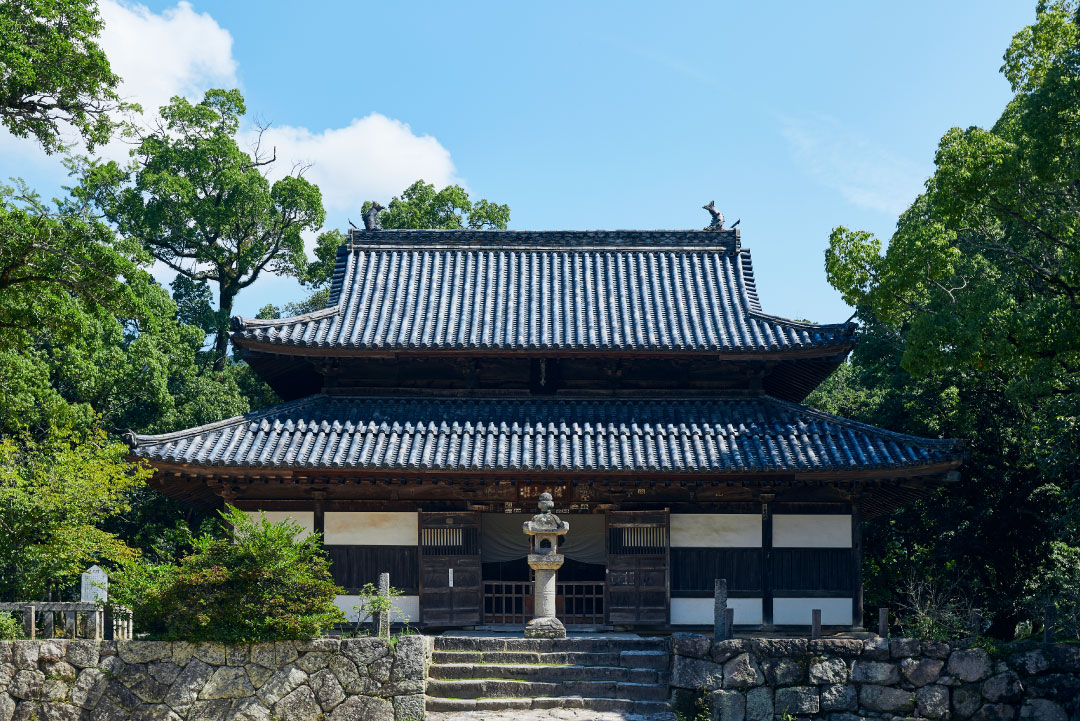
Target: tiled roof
(742, 435)
(651, 291)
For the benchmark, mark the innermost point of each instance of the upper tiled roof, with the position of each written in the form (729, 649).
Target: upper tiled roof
(759, 434)
(573, 291)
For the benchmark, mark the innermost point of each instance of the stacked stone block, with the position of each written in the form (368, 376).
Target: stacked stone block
(362, 679)
(850, 679)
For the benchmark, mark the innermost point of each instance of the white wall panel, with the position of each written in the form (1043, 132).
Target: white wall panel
(370, 529)
(306, 519)
(811, 531)
(716, 530)
(797, 611)
(406, 608)
(699, 611)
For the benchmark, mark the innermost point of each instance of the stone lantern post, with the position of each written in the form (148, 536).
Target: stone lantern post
(545, 529)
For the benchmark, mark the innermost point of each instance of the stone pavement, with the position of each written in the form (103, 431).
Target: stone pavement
(553, 714)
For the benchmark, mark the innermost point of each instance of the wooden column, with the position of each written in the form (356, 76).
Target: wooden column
(766, 562)
(318, 498)
(856, 559)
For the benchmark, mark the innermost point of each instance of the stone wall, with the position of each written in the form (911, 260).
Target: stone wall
(362, 679)
(847, 680)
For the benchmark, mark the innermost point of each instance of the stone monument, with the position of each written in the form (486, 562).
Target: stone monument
(94, 586)
(545, 559)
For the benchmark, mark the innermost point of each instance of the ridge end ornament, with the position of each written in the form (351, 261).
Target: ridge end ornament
(717, 222)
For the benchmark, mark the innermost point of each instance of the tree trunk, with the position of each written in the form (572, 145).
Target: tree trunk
(221, 341)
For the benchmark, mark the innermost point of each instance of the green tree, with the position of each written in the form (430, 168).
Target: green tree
(55, 262)
(54, 494)
(206, 208)
(53, 73)
(421, 206)
(972, 317)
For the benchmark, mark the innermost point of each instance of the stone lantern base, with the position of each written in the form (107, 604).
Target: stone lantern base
(545, 627)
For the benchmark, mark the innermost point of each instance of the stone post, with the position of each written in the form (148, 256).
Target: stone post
(544, 530)
(883, 622)
(815, 623)
(381, 619)
(721, 631)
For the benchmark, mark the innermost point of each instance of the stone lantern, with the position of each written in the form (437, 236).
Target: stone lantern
(545, 559)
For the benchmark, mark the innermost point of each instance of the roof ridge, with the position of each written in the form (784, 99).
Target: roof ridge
(830, 417)
(138, 439)
(727, 238)
(240, 323)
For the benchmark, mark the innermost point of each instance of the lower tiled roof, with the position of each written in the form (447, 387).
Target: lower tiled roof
(760, 434)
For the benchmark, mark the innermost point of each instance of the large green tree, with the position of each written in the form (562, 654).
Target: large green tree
(972, 317)
(205, 207)
(53, 73)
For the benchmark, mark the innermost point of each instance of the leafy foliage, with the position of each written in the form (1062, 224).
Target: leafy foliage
(264, 584)
(54, 495)
(421, 206)
(53, 73)
(206, 208)
(55, 262)
(10, 629)
(972, 330)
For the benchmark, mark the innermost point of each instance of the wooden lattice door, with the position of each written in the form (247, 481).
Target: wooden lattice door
(450, 583)
(638, 552)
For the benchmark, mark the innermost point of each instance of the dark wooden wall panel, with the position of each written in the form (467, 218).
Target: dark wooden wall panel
(353, 566)
(694, 570)
(813, 570)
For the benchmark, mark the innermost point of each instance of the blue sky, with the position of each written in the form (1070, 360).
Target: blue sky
(795, 117)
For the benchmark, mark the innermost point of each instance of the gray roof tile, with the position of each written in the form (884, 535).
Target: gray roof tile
(611, 435)
(576, 291)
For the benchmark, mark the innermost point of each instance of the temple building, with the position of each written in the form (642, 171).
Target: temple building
(456, 375)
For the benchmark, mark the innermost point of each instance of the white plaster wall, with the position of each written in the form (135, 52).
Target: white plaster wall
(716, 530)
(797, 611)
(406, 608)
(811, 531)
(306, 519)
(699, 611)
(370, 529)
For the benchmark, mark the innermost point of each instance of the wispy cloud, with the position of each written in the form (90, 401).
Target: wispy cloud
(864, 172)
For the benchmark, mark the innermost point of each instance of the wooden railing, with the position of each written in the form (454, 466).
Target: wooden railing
(71, 620)
(580, 602)
(511, 602)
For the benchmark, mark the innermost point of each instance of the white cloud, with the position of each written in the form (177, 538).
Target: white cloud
(158, 56)
(864, 172)
(372, 158)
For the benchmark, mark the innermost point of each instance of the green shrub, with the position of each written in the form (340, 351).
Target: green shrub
(10, 628)
(262, 585)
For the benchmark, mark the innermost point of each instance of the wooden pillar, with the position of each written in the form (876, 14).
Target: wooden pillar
(766, 562)
(318, 499)
(856, 559)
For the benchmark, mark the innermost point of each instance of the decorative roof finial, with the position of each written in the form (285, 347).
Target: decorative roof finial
(371, 217)
(717, 222)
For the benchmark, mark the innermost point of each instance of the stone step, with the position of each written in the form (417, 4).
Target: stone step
(548, 673)
(617, 705)
(501, 688)
(659, 660)
(543, 645)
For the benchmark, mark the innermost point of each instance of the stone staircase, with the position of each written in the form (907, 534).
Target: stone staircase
(629, 675)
